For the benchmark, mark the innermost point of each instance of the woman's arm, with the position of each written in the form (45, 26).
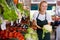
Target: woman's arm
(35, 23)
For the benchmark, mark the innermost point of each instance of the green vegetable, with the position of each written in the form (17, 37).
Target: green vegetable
(20, 7)
(30, 30)
(11, 4)
(1, 10)
(26, 12)
(0, 21)
(1, 13)
(44, 31)
(34, 36)
(31, 34)
(9, 13)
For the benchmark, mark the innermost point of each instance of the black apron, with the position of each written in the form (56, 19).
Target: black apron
(40, 31)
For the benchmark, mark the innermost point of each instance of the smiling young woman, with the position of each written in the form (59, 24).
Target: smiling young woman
(42, 18)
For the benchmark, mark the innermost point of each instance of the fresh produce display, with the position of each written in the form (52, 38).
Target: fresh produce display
(32, 35)
(46, 29)
(9, 13)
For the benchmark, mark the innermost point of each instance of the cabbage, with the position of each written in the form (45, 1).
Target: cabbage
(30, 30)
(31, 34)
(46, 29)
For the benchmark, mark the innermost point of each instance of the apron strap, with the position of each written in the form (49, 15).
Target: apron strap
(45, 16)
(37, 15)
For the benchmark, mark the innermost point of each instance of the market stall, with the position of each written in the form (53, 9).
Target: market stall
(14, 19)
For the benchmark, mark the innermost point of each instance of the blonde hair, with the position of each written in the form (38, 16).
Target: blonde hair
(41, 4)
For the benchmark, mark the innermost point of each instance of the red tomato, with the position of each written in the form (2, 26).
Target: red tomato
(15, 34)
(6, 34)
(10, 35)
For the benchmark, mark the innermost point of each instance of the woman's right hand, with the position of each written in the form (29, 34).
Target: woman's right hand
(35, 24)
(39, 27)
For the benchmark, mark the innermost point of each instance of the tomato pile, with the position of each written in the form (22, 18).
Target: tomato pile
(11, 33)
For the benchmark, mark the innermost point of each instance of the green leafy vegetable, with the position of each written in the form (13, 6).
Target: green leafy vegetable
(20, 7)
(0, 21)
(9, 13)
(31, 34)
(26, 12)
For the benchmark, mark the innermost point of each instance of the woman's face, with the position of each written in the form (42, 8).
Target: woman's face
(44, 7)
